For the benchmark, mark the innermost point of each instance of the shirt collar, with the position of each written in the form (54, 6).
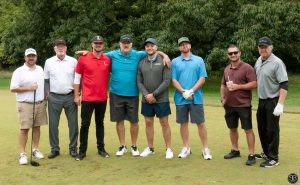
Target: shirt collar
(190, 57)
(57, 59)
(29, 68)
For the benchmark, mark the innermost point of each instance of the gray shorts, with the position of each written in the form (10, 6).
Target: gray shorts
(196, 113)
(123, 108)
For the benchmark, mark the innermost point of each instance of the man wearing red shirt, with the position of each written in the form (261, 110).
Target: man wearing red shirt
(92, 71)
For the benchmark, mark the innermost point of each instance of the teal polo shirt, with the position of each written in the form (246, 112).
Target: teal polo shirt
(123, 80)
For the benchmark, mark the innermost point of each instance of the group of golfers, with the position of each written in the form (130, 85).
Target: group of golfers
(66, 83)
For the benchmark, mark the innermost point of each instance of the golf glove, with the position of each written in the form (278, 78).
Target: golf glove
(278, 109)
(187, 93)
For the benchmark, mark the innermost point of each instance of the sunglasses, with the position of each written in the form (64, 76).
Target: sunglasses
(231, 53)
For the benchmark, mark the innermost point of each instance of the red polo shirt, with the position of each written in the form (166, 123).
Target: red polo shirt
(94, 76)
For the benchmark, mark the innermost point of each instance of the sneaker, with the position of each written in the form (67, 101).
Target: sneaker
(261, 156)
(232, 154)
(80, 156)
(251, 160)
(121, 151)
(23, 158)
(169, 153)
(269, 163)
(206, 154)
(135, 151)
(147, 152)
(36, 153)
(103, 153)
(73, 152)
(185, 152)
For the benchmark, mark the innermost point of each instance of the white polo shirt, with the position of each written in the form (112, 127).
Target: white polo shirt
(60, 73)
(24, 76)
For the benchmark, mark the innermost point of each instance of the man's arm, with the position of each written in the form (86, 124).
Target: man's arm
(165, 83)
(222, 93)
(166, 58)
(76, 86)
(247, 86)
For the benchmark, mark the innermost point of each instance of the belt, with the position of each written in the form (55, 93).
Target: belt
(37, 102)
(63, 94)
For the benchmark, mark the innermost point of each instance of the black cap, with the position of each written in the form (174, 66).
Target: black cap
(98, 39)
(151, 40)
(264, 41)
(125, 38)
(60, 42)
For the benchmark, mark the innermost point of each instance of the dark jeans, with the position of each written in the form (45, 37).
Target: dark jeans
(268, 127)
(87, 109)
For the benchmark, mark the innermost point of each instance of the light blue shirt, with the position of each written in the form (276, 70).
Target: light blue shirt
(124, 72)
(187, 72)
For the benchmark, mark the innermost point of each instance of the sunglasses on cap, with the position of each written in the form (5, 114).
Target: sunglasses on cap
(234, 52)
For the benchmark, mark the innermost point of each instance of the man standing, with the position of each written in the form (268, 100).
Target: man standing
(28, 84)
(188, 77)
(124, 93)
(153, 80)
(92, 71)
(272, 87)
(59, 75)
(237, 82)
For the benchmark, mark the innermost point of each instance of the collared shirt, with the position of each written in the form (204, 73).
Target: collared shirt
(187, 72)
(94, 76)
(60, 74)
(123, 79)
(270, 74)
(242, 74)
(24, 76)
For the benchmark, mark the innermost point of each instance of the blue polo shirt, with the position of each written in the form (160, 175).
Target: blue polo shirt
(124, 72)
(187, 72)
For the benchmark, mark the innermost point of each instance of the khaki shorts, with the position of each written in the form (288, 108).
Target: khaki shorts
(25, 113)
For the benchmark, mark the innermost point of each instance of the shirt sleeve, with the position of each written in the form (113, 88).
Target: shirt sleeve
(141, 54)
(174, 73)
(15, 82)
(250, 75)
(46, 70)
(203, 72)
(281, 74)
(79, 66)
(110, 54)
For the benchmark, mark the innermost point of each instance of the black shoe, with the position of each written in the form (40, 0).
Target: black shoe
(232, 154)
(80, 156)
(251, 160)
(269, 163)
(261, 156)
(73, 152)
(103, 153)
(53, 154)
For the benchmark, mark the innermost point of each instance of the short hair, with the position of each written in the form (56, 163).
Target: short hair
(233, 46)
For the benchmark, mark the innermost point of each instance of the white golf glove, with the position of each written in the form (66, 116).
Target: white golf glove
(187, 93)
(278, 109)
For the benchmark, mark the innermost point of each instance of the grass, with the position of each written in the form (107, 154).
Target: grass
(154, 169)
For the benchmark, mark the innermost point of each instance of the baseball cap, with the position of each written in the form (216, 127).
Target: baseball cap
(125, 38)
(150, 40)
(30, 51)
(98, 39)
(60, 42)
(264, 41)
(183, 39)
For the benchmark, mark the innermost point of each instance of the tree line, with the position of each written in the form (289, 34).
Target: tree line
(211, 26)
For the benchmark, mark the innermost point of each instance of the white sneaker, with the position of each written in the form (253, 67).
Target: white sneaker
(206, 154)
(169, 153)
(23, 158)
(184, 152)
(147, 152)
(36, 153)
(135, 151)
(122, 150)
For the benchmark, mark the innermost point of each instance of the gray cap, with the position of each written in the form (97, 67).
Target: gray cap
(264, 41)
(98, 39)
(183, 39)
(125, 38)
(151, 40)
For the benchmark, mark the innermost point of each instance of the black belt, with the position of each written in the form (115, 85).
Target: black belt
(63, 94)
(37, 102)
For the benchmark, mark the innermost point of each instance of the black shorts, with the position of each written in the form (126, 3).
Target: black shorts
(158, 109)
(123, 108)
(233, 114)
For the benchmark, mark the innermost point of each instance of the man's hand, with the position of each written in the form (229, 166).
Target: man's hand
(187, 93)
(278, 109)
(150, 98)
(77, 100)
(82, 52)
(167, 61)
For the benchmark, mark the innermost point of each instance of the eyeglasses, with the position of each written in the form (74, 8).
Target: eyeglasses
(231, 53)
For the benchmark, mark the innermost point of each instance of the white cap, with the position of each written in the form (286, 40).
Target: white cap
(30, 51)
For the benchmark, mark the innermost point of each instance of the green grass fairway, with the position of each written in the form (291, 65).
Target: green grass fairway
(128, 170)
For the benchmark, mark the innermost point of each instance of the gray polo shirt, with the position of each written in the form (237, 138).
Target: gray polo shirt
(270, 74)
(154, 77)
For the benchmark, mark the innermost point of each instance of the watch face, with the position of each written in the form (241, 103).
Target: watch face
(293, 178)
